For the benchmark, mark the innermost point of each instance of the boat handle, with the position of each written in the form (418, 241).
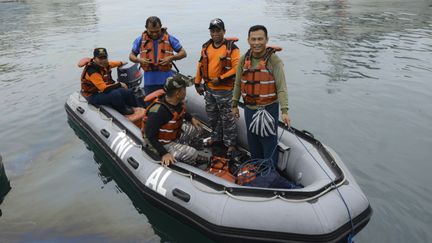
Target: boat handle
(181, 195)
(133, 162)
(105, 133)
(80, 109)
(308, 133)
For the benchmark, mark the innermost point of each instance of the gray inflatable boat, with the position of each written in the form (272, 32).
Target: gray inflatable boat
(330, 208)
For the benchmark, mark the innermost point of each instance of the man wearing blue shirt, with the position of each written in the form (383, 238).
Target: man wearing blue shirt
(154, 51)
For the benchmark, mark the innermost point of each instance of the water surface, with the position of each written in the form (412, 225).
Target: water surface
(357, 76)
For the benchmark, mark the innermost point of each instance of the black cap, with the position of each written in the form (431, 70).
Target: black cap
(217, 23)
(177, 82)
(100, 52)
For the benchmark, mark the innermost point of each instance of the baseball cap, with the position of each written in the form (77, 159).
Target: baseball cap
(100, 52)
(176, 82)
(217, 23)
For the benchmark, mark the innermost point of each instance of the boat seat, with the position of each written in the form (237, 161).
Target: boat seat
(137, 117)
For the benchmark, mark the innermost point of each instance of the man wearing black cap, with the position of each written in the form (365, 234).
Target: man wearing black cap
(99, 88)
(164, 129)
(217, 67)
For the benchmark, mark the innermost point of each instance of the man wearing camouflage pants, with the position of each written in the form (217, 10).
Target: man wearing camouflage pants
(217, 67)
(168, 128)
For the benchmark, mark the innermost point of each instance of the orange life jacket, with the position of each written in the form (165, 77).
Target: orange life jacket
(225, 60)
(258, 86)
(154, 95)
(87, 87)
(147, 50)
(219, 167)
(171, 130)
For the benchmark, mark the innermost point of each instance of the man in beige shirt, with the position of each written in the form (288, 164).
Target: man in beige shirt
(260, 80)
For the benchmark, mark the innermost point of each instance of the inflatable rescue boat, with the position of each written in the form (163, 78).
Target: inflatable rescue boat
(330, 207)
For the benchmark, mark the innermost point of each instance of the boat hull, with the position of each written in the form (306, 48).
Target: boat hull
(221, 210)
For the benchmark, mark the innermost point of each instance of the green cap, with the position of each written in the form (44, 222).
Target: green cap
(176, 82)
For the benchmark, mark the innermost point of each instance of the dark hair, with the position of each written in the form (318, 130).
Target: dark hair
(258, 27)
(154, 21)
(170, 92)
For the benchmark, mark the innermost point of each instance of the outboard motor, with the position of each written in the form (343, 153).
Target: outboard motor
(131, 74)
(4, 182)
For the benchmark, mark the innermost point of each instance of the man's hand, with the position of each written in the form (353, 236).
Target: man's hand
(144, 61)
(196, 123)
(124, 85)
(286, 119)
(166, 60)
(199, 89)
(215, 81)
(168, 159)
(235, 112)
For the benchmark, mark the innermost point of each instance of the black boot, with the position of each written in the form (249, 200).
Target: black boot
(201, 160)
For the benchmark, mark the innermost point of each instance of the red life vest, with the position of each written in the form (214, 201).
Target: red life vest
(147, 50)
(246, 174)
(225, 61)
(219, 167)
(171, 130)
(87, 87)
(154, 95)
(258, 86)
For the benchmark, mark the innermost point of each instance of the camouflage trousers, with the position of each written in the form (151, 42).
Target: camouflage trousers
(180, 148)
(222, 122)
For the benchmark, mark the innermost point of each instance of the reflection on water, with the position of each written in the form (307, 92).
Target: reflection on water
(35, 39)
(30, 27)
(354, 34)
(375, 57)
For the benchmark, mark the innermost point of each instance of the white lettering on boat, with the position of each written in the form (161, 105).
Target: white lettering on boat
(121, 144)
(154, 183)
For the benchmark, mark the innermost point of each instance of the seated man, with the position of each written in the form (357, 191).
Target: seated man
(164, 129)
(99, 88)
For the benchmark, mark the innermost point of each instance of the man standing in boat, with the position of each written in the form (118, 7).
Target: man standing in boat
(164, 127)
(217, 68)
(98, 86)
(260, 80)
(154, 51)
